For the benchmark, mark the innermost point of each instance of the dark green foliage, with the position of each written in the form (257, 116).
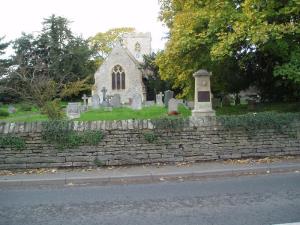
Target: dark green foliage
(61, 133)
(90, 137)
(154, 84)
(3, 113)
(257, 121)
(53, 110)
(150, 137)
(169, 123)
(98, 162)
(10, 141)
(25, 107)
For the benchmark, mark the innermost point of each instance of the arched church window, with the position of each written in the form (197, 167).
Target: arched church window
(118, 78)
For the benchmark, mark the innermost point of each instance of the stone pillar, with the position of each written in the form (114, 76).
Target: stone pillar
(203, 104)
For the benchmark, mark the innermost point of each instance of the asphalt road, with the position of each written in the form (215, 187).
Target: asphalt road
(248, 200)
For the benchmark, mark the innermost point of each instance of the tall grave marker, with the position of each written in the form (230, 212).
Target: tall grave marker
(203, 105)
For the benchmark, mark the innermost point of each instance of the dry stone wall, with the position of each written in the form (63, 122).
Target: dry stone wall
(124, 143)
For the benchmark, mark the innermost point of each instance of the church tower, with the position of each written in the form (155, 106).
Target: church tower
(138, 44)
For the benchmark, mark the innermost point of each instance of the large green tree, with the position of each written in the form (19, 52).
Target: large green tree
(48, 63)
(259, 39)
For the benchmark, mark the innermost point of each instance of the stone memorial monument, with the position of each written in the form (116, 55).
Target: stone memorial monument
(203, 104)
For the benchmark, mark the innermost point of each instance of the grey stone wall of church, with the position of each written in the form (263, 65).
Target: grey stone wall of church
(124, 143)
(133, 76)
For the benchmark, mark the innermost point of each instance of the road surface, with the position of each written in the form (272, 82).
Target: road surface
(248, 200)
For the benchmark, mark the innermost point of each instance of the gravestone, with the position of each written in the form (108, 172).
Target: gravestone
(168, 95)
(73, 110)
(11, 109)
(115, 101)
(85, 102)
(90, 104)
(136, 102)
(159, 100)
(173, 105)
(95, 101)
(149, 103)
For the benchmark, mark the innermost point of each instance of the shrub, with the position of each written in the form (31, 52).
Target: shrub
(150, 137)
(53, 110)
(8, 141)
(170, 123)
(4, 113)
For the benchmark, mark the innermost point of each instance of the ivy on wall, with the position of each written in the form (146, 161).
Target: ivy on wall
(280, 122)
(10, 141)
(61, 133)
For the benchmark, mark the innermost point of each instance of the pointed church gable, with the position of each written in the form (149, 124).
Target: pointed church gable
(120, 74)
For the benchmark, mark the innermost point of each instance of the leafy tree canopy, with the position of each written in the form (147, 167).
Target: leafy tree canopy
(105, 41)
(260, 37)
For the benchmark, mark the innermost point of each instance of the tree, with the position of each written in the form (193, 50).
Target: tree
(153, 82)
(260, 39)
(4, 62)
(50, 62)
(105, 41)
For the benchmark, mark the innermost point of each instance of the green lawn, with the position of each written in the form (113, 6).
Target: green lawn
(262, 107)
(127, 113)
(146, 113)
(117, 114)
(23, 116)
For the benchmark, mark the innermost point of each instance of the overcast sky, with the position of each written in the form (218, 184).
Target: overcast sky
(88, 16)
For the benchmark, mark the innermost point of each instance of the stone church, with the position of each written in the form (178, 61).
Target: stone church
(120, 73)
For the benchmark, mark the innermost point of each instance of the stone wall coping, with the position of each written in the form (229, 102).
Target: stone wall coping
(130, 124)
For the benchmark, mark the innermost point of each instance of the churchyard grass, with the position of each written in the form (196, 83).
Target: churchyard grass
(151, 112)
(23, 114)
(260, 107)
(124, 113)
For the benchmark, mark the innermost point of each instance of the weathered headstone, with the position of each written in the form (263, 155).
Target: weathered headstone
(11, 109)
(115, 101)
(136, 102)
(90, 104)
(149, 103)
(95, 101)
(168, 95)
(173, 105)
(73, 110)
(159, 100)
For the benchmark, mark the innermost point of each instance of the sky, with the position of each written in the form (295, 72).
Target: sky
(88, 17)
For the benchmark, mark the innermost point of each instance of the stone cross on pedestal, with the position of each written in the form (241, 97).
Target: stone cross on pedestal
(104, 90)
(159, 100)
(84, 98)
